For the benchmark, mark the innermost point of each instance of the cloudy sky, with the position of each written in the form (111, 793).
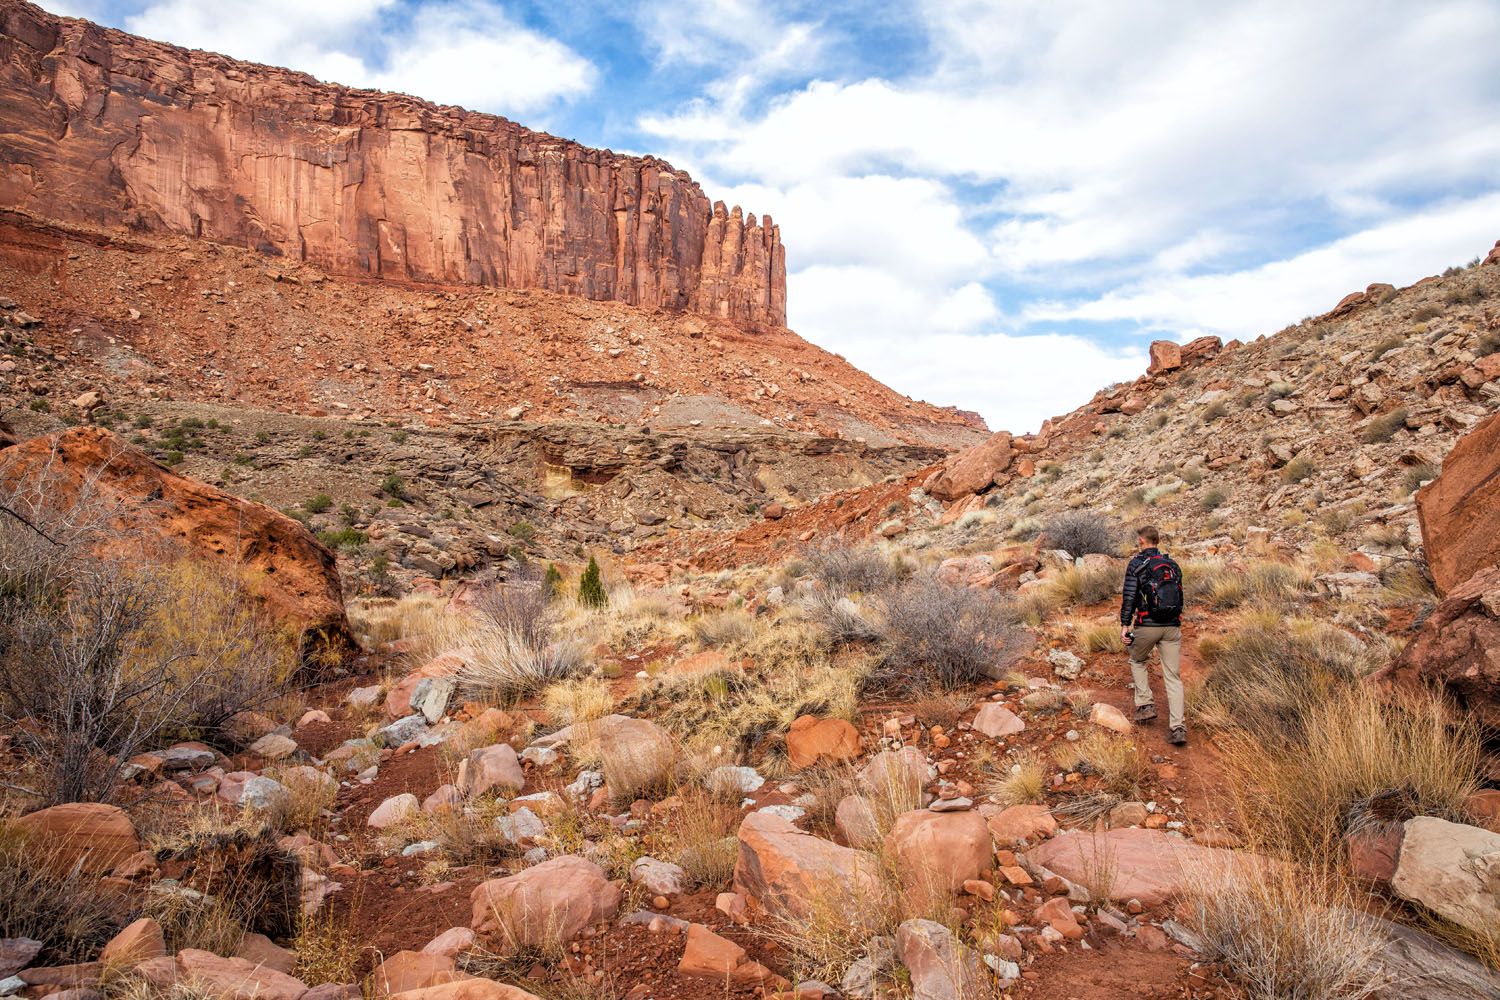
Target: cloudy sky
(991, 204)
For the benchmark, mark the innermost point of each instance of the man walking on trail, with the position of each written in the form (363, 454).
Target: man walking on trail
(1151, 618)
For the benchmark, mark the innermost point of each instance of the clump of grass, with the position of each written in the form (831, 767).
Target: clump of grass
(1212, 499)
(1121, 767)
(1383, 427)
(1351, 758)
(1385, 346)
(841, 619)
(1415, 476)
(1299, 469)
(1075, 585)
(723, 628)
(1020, 782)
(45, 899)
(942, 709)
(328, 949)
(1100, 637)
(1287, 931)
(578, 699)
(1216, 410)
(702, 838)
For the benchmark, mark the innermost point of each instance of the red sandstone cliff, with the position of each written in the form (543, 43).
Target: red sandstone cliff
(99, 127)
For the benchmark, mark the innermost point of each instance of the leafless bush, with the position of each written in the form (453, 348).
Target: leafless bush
(107, 652)
(940, 636)
(841, 620)
(852, 569)
(521, 606)
(1081, 532)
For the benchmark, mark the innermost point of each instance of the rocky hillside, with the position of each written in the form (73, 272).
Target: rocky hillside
(1323, 430)
(174, 318)
(106, 129)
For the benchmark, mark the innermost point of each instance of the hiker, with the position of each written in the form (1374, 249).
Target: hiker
(1151, 618)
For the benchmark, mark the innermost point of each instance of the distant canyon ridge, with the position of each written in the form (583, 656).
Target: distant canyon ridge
(106, 129)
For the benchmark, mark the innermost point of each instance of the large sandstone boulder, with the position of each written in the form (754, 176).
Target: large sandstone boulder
(235, 978)
(637, 754)
(1166, 355)
(937, 852)
(1452, 869)
(544, 905)
(1460, 510)
(467, 989)
(1148, 865)
(158, 510)
(92, 835)
(972, 470)
(784, 869)
(1458, 648)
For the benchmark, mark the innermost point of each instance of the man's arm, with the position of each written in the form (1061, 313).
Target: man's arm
(1128, 595)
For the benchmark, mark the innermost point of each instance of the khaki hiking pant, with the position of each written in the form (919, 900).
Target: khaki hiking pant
(1169, 640)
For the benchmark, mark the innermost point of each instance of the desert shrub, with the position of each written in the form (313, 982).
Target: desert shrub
(841, 620)
(1415, 476)
(1487, 343)
(1287, 931)
(343, 538)
(552, 582)
(1383, 427)
(1086, 584)
(318, 504)
(852, 569)
(1212, 499)
(44, 899)
(591, 593)
(723, 628)
(1298, 469)
(1216, 410)
(111, 657)
(328, 948)
(941, 636)
(519, 606)
(1081, 532)
(1279, 390)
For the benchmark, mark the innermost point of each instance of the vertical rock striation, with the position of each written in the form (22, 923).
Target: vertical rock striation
(102, 128)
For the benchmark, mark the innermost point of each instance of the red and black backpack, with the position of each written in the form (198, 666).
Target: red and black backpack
(1161, 588)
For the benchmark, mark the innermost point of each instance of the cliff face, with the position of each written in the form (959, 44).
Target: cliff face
(98, 127)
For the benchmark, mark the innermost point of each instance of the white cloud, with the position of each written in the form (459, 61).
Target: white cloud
(1263, 299)
(466, 52)
(939, 344)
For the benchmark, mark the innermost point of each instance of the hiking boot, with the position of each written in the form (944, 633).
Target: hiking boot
(1145, 713)
(1178, 736)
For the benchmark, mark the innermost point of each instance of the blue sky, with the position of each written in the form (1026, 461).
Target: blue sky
(996, 205)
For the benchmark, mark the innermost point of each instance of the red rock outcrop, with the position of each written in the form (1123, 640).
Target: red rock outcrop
(1458, 649)
(1459, 511)
(151, 505)
(107, 129)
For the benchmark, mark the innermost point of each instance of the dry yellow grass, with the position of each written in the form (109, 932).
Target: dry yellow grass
(1019, 781)
(1119, 763)
(580, 699)
(1287, 930)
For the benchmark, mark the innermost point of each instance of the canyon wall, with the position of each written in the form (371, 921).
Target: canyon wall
(102, 128)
